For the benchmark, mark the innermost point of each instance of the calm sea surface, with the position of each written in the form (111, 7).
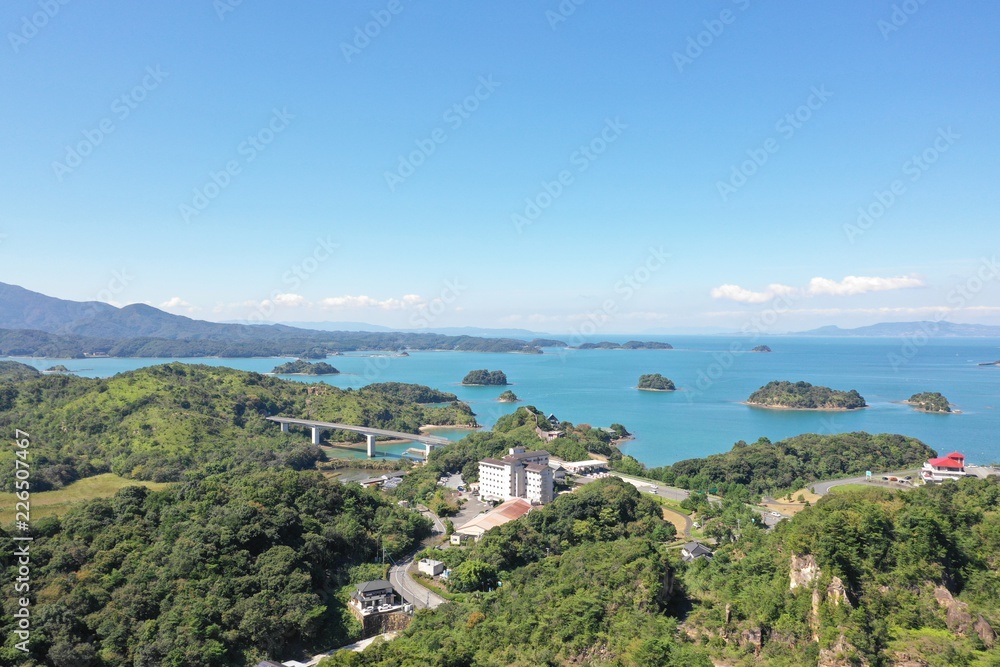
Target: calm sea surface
(705, 416)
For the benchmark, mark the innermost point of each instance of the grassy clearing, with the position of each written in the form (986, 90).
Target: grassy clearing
(49, 503)
(849, 487)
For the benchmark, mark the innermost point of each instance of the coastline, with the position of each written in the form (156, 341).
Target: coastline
(930, 412)
(666, 391)
(784, 407)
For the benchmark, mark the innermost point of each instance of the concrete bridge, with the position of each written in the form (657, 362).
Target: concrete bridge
(428, 441)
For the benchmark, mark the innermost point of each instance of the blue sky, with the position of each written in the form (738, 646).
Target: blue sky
(639, 166)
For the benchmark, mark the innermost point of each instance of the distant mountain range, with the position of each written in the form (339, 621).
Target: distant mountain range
(903, 329)
(33, 324)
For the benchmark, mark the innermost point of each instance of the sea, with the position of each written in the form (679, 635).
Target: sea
(713, 374)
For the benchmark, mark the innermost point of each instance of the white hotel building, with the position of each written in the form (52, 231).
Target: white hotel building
(520, 474)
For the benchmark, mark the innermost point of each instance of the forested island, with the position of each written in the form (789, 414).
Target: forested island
(761, 348)
(655, 382)
(508, 397)
(302, 367)
(929, 401)
(58, 368)
(630, 345)
(485, 377)
(804, 396)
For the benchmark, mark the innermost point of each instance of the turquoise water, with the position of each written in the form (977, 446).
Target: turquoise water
(705, 416)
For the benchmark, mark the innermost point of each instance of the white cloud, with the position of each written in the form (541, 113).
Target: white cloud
(175, 302)
(852, 285)
(737, 293)
(363, 301)
(819, 286)
(289, 299)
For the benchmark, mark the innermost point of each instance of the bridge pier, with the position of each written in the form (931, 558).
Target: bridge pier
(427, 449)
(316, 432)
(371, 444)
(284, 427)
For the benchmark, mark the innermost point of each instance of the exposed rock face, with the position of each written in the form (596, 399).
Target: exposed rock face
(957, 615)
(901, 659)
(752, 637)
(804, 571)
(985, 632)
(841, 654)
(836, 593)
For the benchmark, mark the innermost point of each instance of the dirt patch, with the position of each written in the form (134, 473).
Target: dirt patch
(677, 519)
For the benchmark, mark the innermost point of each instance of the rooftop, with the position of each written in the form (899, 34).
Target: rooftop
(501, 514)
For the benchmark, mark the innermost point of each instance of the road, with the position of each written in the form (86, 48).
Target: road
(412, 592)
(823, 488)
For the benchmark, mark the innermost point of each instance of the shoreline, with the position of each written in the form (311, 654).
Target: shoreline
(666, 391)
(431, 427)
(784, 407)
(930, 412)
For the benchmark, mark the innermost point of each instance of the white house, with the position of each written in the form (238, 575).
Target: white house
(430, 567)
(950, 466)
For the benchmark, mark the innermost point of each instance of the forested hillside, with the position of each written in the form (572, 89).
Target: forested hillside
(155, 423)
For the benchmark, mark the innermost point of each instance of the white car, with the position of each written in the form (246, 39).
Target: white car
(777, 514)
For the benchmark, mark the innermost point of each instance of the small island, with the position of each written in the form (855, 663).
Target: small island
(58, 368)
(302, 367)
(508, 397)
(485, 378)
(655, 382)
(804, 396)
(929, 401)
(761, 348)
(630, 345)
(990, 363)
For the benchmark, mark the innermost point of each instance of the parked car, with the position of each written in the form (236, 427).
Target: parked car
(385, 607)
(777, 514)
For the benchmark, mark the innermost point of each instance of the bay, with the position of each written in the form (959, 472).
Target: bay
(713, 375)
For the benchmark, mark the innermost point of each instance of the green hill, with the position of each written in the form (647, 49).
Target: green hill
(157, 422)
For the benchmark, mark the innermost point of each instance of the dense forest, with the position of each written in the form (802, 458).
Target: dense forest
(930, 401)
(158, 422)
(872, 578)
(804, 396)
(790, 464)
(302, 367)
(222, 569)
(485, 377)
(655, 382)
